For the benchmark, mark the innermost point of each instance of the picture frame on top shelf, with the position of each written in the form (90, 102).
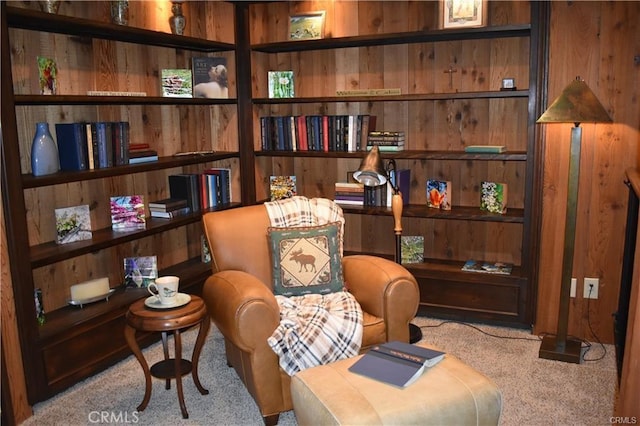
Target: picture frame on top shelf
(306, 26)
(462, 13)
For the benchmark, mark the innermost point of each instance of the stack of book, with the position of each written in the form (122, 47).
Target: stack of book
(168, 208)
(141, 153)
(387, 141)
(348, 193)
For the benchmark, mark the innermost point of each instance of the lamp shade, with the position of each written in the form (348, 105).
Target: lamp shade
(576, 104)
(371, 171)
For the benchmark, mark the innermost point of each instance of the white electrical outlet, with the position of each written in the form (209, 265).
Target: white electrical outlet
(574, 284)
(589, 291)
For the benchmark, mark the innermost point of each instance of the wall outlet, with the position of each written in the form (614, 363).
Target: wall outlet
(591, 292)
(574, 284)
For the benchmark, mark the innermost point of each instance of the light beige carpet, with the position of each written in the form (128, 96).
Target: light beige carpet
(535, 391)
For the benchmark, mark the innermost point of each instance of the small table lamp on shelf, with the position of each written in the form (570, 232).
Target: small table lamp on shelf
(576, 104)
(372, 172)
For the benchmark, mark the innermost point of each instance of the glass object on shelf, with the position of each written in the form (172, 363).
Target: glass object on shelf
(120, 12)
(44, 153)
(49, 6)
(177, 22)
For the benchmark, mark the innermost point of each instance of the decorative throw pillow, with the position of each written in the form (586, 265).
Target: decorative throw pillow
(306, 260)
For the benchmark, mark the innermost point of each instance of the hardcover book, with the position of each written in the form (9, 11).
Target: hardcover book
(485, 149)
(439, 194)
(396, 363)
(72, 146)
(127, 213)
(168, 204)
(171, 213)
(488, 267)
(210, 77)
(281, 84)
(73, 224)
(139, 272)
(176, 83)
(493, 197)
(142, 156)
(281, 187)
(187, 187)
(412, 248)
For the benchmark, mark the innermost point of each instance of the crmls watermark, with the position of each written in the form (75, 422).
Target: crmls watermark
(623, 420)
(113, 417)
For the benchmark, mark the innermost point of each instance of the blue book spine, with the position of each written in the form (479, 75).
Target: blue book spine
(99, 133)
(72, 146)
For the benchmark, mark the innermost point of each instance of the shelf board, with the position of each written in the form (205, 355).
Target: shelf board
(505, 31)
(66, 318)
(50, 252)
(403, 155)
(513, 215)
(451, 269)
(54, 23)
(116, 100)
(31, 181)
(489, 94)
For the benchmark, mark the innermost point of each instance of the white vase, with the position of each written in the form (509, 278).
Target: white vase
(44, 153)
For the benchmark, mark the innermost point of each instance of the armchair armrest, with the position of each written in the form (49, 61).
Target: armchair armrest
(243, 308)
(384, 289)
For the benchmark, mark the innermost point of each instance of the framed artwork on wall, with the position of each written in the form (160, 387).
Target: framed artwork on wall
(306, 26)
(462, 13)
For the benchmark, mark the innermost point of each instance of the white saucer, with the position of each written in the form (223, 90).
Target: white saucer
(181, 300)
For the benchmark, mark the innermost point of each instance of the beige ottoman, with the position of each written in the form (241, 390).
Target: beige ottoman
(450, 393)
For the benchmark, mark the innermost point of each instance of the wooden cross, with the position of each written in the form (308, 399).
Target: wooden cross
(450, 71)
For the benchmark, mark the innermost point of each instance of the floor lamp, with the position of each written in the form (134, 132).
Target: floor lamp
(576, 104)
(373, 173)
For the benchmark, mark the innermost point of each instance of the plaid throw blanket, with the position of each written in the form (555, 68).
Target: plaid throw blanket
(314, 329)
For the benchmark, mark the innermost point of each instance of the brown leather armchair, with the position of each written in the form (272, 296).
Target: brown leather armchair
(241, 303)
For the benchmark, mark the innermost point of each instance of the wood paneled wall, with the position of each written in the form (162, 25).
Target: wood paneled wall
(597, 41)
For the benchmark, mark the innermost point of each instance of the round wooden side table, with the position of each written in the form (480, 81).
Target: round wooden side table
(175, 320)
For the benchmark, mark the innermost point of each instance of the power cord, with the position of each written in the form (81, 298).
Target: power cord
(593, 333)
(480, 330)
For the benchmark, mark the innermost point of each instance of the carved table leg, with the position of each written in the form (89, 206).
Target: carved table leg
(165, 349)
(197, 349)
(130, 337)
(178, 363)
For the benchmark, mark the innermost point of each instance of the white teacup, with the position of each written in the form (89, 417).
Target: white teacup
(166, 289)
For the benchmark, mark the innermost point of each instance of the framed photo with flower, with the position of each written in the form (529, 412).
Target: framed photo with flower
(281, 84)
(306, 26)
(462, 13)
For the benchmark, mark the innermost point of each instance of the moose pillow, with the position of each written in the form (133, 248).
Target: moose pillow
(306, 260)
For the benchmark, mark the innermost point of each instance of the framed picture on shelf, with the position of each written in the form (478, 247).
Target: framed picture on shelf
(306, 26)
(462, 13)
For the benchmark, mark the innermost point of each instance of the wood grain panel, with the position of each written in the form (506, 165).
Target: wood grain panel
(582, 34)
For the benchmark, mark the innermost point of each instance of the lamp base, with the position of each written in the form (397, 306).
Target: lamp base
(571, 353)
(415, 333)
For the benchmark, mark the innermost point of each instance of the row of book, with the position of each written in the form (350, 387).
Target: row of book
(211, 188)
(493, 196)
(92, 145)
(325, 133)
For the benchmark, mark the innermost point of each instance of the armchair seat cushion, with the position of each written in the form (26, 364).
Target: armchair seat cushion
(316, 329)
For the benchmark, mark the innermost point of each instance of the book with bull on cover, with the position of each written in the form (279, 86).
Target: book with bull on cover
(396, 363)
